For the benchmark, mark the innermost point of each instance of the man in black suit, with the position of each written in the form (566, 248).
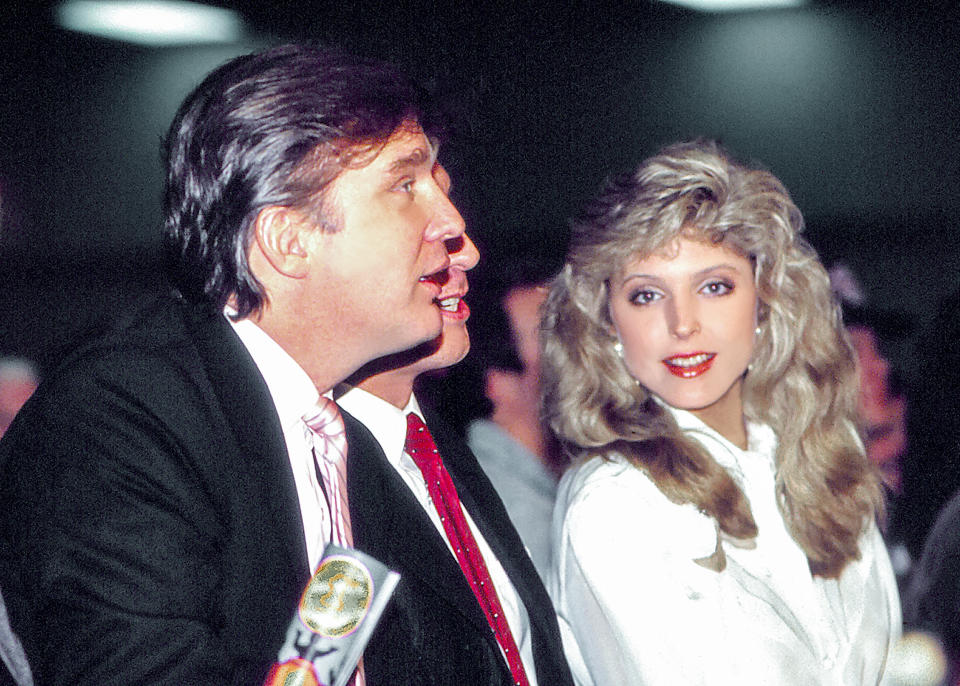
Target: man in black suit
(157, 523)
(434, 631)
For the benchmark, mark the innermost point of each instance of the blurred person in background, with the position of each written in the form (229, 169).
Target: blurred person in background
(512, 444)
(932, 599)
(881, 407)
(931, 602)
(18, 381)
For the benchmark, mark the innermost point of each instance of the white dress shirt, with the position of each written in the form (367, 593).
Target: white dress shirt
(636, 609)
(388, 424)
(294, 396)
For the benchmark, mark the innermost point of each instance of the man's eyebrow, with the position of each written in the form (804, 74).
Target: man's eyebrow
(419, 157)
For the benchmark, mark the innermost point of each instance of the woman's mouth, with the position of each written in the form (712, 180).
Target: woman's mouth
(689, 366)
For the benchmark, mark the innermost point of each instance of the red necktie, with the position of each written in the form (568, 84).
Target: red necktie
(423, 450)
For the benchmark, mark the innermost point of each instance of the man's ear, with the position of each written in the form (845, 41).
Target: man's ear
(280, 233)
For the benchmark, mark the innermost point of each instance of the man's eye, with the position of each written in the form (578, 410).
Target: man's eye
(405, 186)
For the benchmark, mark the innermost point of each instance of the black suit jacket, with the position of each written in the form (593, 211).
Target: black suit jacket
(434, 631)
(149, 525)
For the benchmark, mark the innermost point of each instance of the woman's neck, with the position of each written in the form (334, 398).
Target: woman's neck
(725, 416)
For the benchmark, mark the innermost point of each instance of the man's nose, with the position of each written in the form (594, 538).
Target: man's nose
(463, 252)
(446, 223)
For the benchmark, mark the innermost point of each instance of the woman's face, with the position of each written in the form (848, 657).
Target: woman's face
(687, 318)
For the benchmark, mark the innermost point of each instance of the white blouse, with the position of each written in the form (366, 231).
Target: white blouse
(636, 609)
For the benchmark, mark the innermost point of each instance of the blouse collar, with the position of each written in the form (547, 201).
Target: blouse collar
(761, 439)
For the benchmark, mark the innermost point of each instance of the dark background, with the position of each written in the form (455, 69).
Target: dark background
(854, 105)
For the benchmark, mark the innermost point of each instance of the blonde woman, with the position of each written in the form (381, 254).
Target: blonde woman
(719, 524)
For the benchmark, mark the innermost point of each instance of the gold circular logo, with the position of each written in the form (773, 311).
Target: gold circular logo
(337, 597)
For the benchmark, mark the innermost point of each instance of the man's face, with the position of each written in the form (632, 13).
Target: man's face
(523, 306)
(384, 270)
(453, 343)
(454, 340)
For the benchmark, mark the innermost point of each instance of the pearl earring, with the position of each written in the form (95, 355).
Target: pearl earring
(618, 348)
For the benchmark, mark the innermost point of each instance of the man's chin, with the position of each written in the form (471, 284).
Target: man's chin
(450, 347)
(425, 349)
(423, 335)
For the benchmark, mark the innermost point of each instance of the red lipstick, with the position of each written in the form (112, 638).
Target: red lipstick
(690, 365)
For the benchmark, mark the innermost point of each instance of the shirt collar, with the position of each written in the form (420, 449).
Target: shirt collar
(760, 438)
(290, 387)
(386, 422)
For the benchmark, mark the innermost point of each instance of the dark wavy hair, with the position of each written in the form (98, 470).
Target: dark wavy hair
(269, 128)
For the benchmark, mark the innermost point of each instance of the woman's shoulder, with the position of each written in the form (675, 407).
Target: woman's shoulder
(603, 490)
(607, 475)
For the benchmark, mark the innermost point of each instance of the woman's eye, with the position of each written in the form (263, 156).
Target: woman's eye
(643, 297)
(717, 288)
(405, 186)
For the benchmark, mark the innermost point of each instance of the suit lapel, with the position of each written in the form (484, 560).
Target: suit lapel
(482, 503)
(389, 523)
(488, 512)
(260, 463)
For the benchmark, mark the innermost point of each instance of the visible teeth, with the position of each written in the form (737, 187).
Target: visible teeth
(689, 361)
(451, 304)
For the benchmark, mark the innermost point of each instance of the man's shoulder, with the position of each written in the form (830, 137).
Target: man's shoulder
(152, 359)
(496, 449)
(157, 330)
(484, 434)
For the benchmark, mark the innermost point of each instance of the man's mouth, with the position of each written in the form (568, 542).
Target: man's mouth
(453, 306)
(450, 304)
(439, 277)
(689, 366)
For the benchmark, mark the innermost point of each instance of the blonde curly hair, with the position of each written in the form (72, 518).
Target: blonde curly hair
(802, 381)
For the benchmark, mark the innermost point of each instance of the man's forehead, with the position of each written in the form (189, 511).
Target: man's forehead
(406, 147)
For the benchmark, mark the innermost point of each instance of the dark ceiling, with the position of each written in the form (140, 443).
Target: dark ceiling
(854, 104)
